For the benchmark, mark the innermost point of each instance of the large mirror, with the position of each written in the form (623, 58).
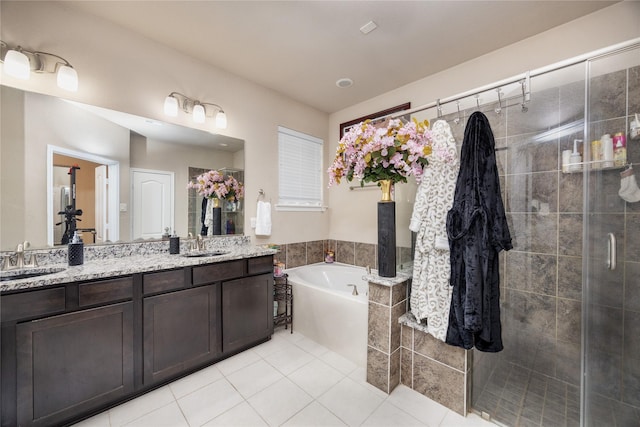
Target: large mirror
(120, 164)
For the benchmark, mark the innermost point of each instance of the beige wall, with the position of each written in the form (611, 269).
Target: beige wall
(122, 71)
(567, 41)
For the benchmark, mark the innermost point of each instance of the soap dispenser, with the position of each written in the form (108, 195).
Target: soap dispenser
(575, 160)
(76, 250)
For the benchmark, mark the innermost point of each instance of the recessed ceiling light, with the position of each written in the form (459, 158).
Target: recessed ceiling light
(368, 27)
(222, 144)
(344, 82)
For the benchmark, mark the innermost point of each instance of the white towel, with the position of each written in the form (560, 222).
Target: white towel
(263, 219)
(208, 219)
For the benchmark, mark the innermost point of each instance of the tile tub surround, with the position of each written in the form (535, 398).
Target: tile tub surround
(129, 263)
(346, 252)
(387, 302)
(436, 370)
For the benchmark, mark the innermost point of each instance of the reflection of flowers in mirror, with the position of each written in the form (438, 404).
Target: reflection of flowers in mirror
(392, 152)
(215, 185)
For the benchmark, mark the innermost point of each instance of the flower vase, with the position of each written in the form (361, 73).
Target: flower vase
(386, 231)
(217, 218)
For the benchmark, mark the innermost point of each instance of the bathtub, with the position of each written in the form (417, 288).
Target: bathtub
(325, 310)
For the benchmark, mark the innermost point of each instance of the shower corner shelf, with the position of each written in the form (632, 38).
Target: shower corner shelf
(283, 296)
(591, 165)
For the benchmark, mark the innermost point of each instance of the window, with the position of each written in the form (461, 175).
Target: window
(299, 171)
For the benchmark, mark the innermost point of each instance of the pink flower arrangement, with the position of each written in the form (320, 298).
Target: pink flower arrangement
(215, 185)
(392, 152)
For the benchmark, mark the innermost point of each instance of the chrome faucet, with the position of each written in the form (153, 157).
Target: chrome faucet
(196, 244)
(20, 261)
(355, 289)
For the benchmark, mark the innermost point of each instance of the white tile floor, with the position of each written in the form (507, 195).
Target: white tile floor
(288, 381)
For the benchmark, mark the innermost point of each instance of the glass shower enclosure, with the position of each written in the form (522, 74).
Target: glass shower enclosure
(570, 288)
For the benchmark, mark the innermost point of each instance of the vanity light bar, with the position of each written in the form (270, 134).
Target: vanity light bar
(19, 62)
(192, 106)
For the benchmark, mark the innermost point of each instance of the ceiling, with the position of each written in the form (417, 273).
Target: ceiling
(301, 48)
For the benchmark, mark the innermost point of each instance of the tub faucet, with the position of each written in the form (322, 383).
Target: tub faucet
(355, 289)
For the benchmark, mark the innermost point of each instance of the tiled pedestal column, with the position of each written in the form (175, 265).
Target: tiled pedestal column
(387, 302)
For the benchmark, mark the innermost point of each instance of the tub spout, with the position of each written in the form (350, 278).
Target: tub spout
(355, 289)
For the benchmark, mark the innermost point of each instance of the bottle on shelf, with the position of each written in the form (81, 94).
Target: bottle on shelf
(607, 150)
(619, 149)
(575, 161)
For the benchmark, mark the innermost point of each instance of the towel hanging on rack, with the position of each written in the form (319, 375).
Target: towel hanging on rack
(263, 219)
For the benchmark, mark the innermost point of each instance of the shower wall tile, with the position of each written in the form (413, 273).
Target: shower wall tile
(296, 254)
(365, 255)
(572, 102)
(428, 346)
(531, 312)
(399, 293)
(532, 272)
(633, 238)
(378, 369)
(538, 188)
(632, 286)
(568, 359)
(315, 252)
(396, 311)
(604, 323)
(605, 371)
(604, 193)
(407, 337)
(570, 277)
(533, 232)
(570, 234)
(379, 332)
(631, 381)
(438, 382)
(634, 90)
(345, 252)
(608, 95)
(526, 155)
(601, 224)
(631, 335)
(406, 367)
(542, 114)
(570, 197)
(569, 320)
(606, 285)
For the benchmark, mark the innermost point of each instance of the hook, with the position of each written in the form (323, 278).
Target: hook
(499, 108)
(457, 119)
(525, 98)
(439, 108)
(478, 101)
(260, 194)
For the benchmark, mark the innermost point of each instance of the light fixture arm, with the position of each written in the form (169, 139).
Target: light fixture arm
(188, 103)
(177, 100)
(37, 61)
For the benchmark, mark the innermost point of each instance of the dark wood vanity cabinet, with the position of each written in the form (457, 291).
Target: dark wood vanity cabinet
(181, 331)
(74, 349)
(73, 362)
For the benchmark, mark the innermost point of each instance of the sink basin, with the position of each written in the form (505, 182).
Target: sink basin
(198, 254)
(28, 272)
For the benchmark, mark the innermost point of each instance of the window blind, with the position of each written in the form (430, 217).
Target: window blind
(299, 169)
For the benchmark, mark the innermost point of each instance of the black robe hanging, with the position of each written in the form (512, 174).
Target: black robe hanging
(478, 231)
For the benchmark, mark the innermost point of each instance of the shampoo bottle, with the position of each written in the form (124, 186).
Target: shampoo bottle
(575, 160)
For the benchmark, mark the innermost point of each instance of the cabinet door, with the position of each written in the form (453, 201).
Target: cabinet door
(181, 331)
(247, 311)
(74, 362)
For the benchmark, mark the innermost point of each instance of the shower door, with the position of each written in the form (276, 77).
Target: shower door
(611, 256)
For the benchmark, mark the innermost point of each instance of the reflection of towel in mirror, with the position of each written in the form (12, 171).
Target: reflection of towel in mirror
(263, 219)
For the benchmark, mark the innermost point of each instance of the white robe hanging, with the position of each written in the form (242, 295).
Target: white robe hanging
(430, 289)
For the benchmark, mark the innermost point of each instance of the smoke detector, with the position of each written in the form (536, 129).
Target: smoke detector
(368, 27)
(343, 83)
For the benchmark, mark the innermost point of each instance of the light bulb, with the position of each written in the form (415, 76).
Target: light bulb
(171, 106)
(221, 120)
(198, 113)
(68, 78)
(16, 64)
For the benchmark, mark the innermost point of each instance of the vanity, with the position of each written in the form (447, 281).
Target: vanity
(79, 341)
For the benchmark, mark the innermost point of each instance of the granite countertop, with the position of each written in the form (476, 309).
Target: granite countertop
(120, 266)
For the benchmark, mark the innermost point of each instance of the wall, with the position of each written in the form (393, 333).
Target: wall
(578, 37)
(123, 71)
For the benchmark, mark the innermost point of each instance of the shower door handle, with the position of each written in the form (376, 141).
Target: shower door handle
(611, 251)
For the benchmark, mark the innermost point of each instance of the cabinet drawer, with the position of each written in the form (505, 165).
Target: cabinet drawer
(216, 272)
(105, 291)
(32, 303)
(163, 281)
(260, 265)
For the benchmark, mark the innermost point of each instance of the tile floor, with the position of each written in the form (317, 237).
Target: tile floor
(288, 381)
